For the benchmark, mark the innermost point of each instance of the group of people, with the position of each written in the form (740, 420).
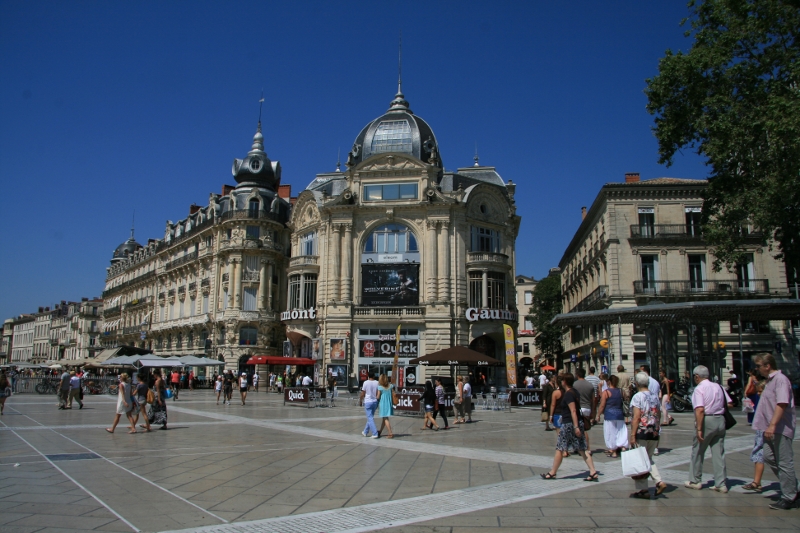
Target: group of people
(224, 383)
(133, 401)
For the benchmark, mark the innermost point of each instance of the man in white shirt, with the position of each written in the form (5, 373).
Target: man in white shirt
(653, 386)
(594, 380)
(467, 398)
(708, 400)
(542, 380)
(307, 381)
(369, 397)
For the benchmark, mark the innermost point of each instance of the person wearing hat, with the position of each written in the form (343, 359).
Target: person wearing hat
(243, 386)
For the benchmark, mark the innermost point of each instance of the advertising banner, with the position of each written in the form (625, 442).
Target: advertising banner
(295, 395)
(316, 349)
(373, 348)
(287, 349)
(338, 349)
(511, 356)
(409, 398)
(525, 397)
(389, 284)
(339, 374)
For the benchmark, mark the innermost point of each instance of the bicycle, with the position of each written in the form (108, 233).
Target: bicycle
(47, 386)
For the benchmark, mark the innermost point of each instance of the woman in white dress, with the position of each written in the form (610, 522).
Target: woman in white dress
(614, 430)
(124, 404)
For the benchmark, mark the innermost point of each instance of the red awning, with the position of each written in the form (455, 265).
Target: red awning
(275, 360)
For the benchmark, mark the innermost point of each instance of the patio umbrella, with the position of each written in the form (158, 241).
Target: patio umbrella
(55, 366)
(191, 360)
(455, 356)
(547, 367)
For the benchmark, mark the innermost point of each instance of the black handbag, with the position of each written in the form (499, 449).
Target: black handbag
(729, 420)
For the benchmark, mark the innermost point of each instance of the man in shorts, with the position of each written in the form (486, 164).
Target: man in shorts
(588, 402)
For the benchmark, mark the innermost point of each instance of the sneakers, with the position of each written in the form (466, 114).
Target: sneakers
(374, 437)
(364, 432)
(722, 489)
(692, 485)
(655, 452)
(783, 505)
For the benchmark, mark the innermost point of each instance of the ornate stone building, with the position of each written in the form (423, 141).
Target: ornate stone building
(215, 283)
(397, 240)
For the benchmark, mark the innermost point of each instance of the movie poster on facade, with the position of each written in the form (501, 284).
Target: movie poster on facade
(389, 284)
(338, 349)
(287, 349)
(339, 374)
(305, 348)
(316, 349)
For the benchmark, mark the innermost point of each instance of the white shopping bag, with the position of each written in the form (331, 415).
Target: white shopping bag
(635, 462)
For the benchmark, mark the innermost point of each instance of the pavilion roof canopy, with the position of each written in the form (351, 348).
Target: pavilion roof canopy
(773, 309)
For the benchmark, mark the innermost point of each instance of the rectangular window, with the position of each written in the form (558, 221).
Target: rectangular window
(294, 292)
(390, 191)
(192, 306)
(497, 290)
(484, 240)
(252, 232)
(309, 291)
(697, 271)
(180, 309)
(308, 244)
(647, 221)
(528, 297)
(526, 348)
(693, 215)
(745, 274)
(171, 310)
(476, 289)
(250, 298)
(528, 324)
(225, 299)
(205, 303)
(751, 326)
(649, 272)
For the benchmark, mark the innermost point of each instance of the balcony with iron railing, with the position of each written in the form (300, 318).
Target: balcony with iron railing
(688, 288)
(665, 231)
(138, 279)
(593, 300)
(130, 330)
(388, 311)
(188, 258)
(112, 311)
(248, 214)
(486, 257)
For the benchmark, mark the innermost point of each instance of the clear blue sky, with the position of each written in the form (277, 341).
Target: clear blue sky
(111, 107)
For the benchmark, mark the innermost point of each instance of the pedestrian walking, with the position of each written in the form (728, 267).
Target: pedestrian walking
(369, 398)
(595, 381)
(572, 437)
(218, 388)
(5, 391)
(271, 381)
(757, 455)
(75, 392)
(159, 411)
(440, 407)
(279, 381)
(625, 389)
(753, 393)
(124, 404)
(63, 390)
(255, 381)
(190, 379)
(458, 401)
(386, 403)
(429, 401)
(666, 394)
(243, 387)
(467, 399)
(227, 387)
(141, 394)
(332, 390)
(586, 390)
(645, 432)
(709, 400)
(615, 433)
(775, 416)
(547, 396)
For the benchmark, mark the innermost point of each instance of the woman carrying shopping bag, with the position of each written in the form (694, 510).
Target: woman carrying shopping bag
(645, 430)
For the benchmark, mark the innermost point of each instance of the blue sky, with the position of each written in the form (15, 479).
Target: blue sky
(111, 107)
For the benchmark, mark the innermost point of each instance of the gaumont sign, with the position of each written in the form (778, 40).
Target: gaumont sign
(523, 397)
(473, 314)
(299, 314)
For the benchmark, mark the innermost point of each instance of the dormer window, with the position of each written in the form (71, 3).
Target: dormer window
(255, 165)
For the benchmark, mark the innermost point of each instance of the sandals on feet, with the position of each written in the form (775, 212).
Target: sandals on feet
(660, 487)
(548, 476)
(642, 494)
(752, 486)
(592, 477)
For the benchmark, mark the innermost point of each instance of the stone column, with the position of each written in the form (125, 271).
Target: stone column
(347, 264)
(336, 264)
(220, 303)
(262, 286)
(485, 289)
(432, 295)
(444, 262)
(233, 284)
(270, 305)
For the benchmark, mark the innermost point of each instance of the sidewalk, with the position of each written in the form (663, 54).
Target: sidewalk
(257, 467)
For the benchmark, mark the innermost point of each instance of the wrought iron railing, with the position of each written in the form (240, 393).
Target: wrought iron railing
(389, 311)
(595, 296)
(701, 287)
(191, 256)
(665, 231)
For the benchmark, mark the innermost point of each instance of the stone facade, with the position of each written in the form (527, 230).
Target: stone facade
(640, 242)
(395, 240)
(214, 284)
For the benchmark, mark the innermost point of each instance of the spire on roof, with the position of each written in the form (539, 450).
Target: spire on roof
(338, 160)
(476, 158)
(400, 103)
(133, 223)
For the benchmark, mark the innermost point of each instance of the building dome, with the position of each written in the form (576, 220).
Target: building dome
(399, 130)
(256, 169)
(125, 249)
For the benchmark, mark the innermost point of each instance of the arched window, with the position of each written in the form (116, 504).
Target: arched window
(248, 336)
(389, 239)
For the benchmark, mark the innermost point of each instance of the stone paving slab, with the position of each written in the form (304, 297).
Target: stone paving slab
(266, 467)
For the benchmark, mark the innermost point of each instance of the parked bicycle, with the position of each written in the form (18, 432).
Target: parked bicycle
(47, 386)
(94, 387)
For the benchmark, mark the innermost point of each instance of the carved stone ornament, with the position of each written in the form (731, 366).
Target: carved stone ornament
(248, 316)
(663, 251)
(391, 162)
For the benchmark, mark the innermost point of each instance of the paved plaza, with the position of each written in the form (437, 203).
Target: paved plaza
(265, 467)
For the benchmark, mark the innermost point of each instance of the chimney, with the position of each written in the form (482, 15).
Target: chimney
(583, 212)
(194, 208)
(84, 299)
(631, 177)
(46, 308)
(285, 191)
(41, 309)
(226, 189)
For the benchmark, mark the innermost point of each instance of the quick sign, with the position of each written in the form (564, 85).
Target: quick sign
(523, 397)
(473, 314)
(371, 348)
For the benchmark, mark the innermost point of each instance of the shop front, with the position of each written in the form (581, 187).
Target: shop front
(376, 350)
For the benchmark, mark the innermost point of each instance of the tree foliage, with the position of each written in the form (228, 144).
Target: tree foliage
(546, 305)
(734, 98)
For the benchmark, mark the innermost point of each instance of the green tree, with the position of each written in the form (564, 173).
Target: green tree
(546, 305)
(734, 98)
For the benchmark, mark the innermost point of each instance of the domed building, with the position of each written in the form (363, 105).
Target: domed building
(397, 240)
(214, 285)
